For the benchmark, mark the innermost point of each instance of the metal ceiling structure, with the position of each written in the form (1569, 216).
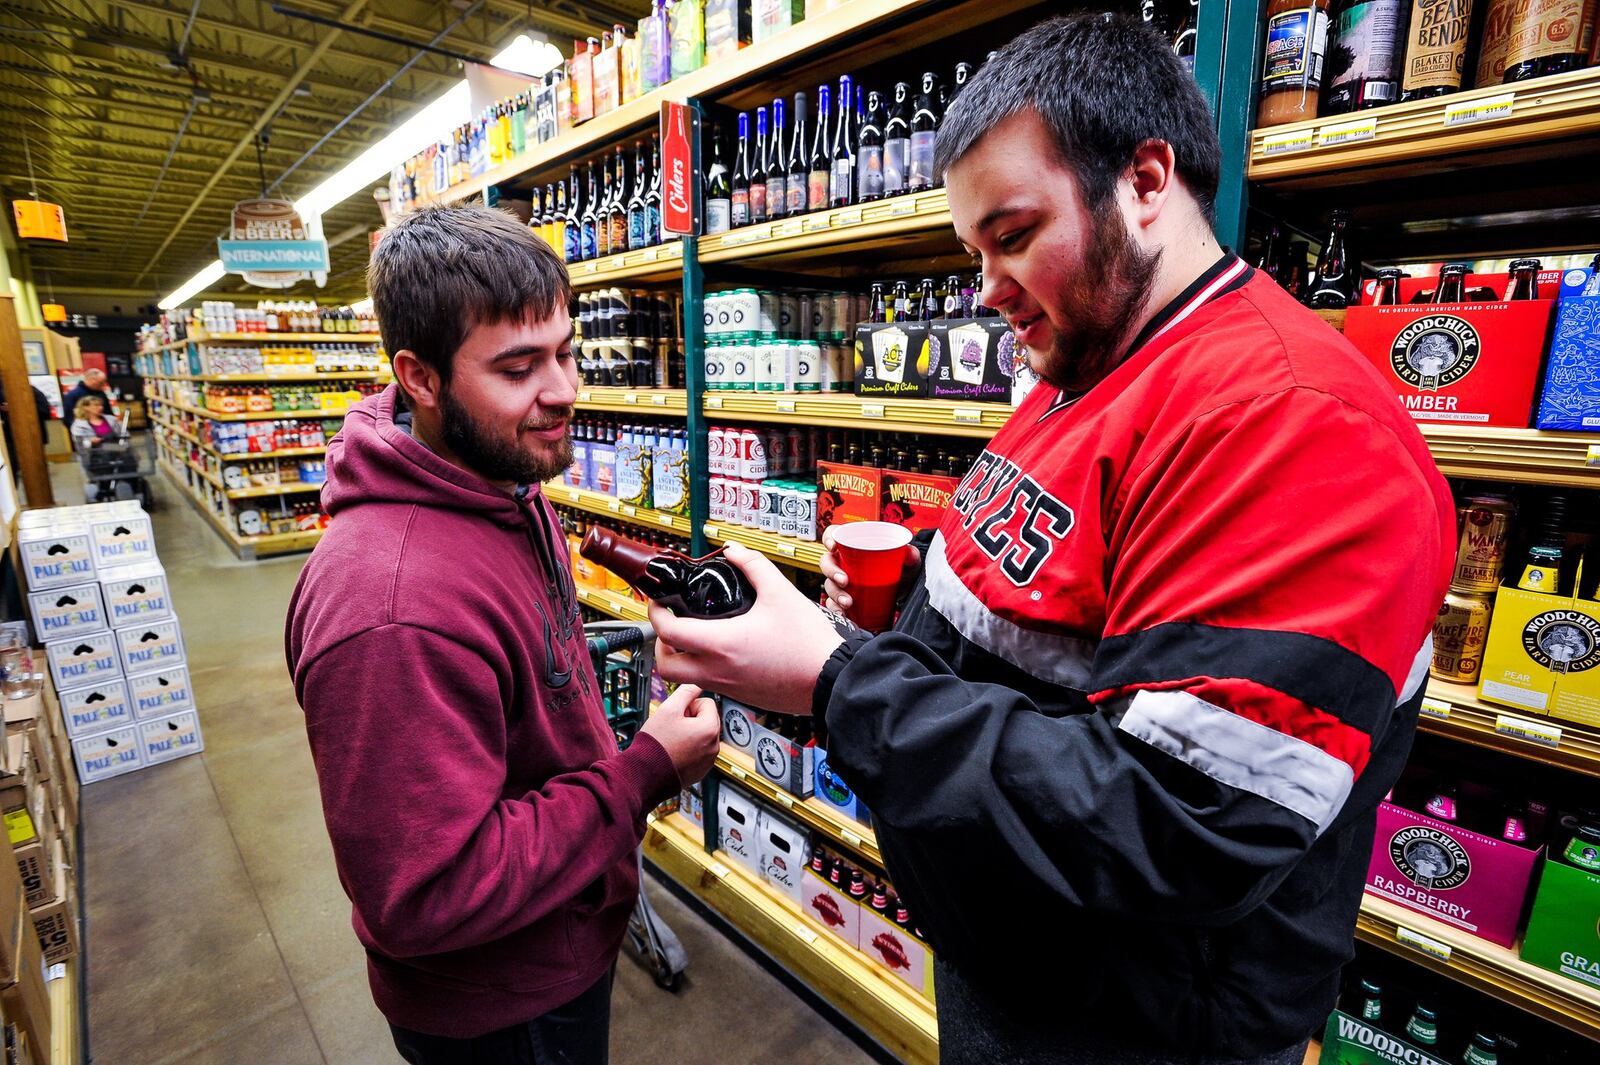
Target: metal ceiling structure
(141, 118)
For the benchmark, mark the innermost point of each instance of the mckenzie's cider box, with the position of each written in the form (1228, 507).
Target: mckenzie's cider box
(916, 500)
(847, 493)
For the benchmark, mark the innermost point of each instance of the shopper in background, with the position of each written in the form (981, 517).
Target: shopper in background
(482, 820)
(91, 425)
(1165, 653)
(93, 384)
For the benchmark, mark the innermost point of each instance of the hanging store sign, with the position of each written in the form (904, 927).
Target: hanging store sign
(270, 246)
(680, 169)
(39, 220)
(53, 312)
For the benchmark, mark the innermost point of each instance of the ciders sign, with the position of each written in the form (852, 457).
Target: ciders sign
(680, 169)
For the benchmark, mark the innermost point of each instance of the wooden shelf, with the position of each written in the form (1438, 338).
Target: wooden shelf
(804, 554)
(849, 411)
(246, 547)
(273, 378)
(664, 401)
(304, 338)
(883, 222)
(894, 1015)
(258, 492)
(618, 606)
(610, 506)
(171, 345)
(1492, 969)
(1456, 712)
(844, 831)
(246, 456)
(660, 263)
(65, 1012)
(174, 428)
(1527, 455)
(252, 416)
(1546, 115)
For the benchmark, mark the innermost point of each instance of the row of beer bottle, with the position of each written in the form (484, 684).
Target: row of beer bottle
(615, 210)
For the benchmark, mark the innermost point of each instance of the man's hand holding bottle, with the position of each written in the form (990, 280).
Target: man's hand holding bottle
(690, 729)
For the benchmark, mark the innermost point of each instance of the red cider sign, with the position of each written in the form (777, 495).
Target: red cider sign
(680, 181)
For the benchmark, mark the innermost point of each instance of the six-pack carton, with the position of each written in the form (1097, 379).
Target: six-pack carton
(1571, 396)
(892, 360)
(971, 359)
(1542, 654)
(1564, 928)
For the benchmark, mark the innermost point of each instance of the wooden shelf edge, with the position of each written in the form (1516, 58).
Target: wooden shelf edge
(1492, 969)
(620, 607)
(1473, 720)
(252, 416)
(661, 262)
(849, 834)
(65, 1014)
(302, 338)
(912, 213)
(897, 1018)
(648, 401)
(848, 411)
(611, 507)
(785, 550)
(260, 546)
(273, 378)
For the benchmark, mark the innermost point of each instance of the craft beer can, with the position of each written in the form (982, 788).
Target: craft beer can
(1483, 521)
(1459, 634)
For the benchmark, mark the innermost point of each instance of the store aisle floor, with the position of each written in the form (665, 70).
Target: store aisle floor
(217, 929)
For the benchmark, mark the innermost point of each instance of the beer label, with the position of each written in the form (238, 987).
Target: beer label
(1498, 26)
(1474, 1056)
(719, 216)
(869, 173)
(1295, 43)
(817, 190)
(739, 208)
(920, 171)
(1435, 352)
(758, 202)
(839, 182)
(1363, 64)
(1563, 641)
(1430, 857)
(777, 194)
(1436, 47)
(1544, 28)
(895, 161)
(795, 197)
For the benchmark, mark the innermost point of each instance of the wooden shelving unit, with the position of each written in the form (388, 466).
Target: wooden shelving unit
(273, 378)
(609, 506)
(862, 226)
(200, 337)
(254, 492)
(804, 554)
(288, 453)
(1455, 711)
(653, 401)
(898, 1018)
(839, 829)
(618, 606)
(253, 416)
(246, 547)
(848, 411)
(660, 263)
(1525, 455)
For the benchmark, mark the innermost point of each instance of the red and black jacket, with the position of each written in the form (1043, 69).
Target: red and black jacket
(1163, 660)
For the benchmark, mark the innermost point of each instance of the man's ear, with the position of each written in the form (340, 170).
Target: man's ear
(419, 381)
(1153, 177)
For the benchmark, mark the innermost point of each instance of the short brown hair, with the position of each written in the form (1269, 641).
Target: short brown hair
(440, 271)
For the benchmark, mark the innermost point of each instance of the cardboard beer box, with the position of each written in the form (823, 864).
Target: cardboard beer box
(55, 921)
(161, 693)
(781, 850)
(122, 538)
(973, 359)
(166, 738)
(55, 555)
(108, 754)
(1459, 363)
(27, 1002)
(898, 951)
(13, 922)
(62, 613)
(146, 648)
(96, 709)
(847, 493)
(738, 827)
(916, 500)
(1463, 878)
(136, 594)
(1564, 929)
(1349, 1040)
(1571, 395)
(727, 27)
(1542, 654)
(829, 788)
(777, 758)
(85, 660)
(892, 360)
(831, 907)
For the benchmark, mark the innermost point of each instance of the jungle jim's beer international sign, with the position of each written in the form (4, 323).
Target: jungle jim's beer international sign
(270, 247)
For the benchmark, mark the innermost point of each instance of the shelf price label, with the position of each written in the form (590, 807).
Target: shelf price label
(736, 772)
(1436, 708)
(1593, 457)
(783, 800)
(786, 550)
(664, 518)
(711, 531)
(1348, 132)
(1282, 143)
(658, 401)
(585, 397)
(785, 406)
(898, 208)
(651, 254)
(1485, 110)
(714, 402)
(631, 398)
(848, 218)
(614, 506)
(804, 934)
(1427, 944)
(872, 410)
(718, 870)
(814, 224)
(1532, 731)
(850, 837)
(967, 416)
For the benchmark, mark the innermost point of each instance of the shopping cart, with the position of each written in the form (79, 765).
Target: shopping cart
(119, 468)
(624, 654)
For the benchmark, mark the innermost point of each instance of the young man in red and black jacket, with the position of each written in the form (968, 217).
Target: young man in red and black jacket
(1165, 653)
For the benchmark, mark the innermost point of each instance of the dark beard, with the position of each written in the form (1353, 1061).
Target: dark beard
(1102, 302)
(492, 458)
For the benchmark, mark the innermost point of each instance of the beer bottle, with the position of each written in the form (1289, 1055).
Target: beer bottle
(590, 245)
(880, 900)
(706, 587)
(797, 188)
(1363, 68)
(821, 165)
(897, 141)
(858, 886)
(928, 304)
(1542, 565)
(739, 188)
(1293, 276)
(1435, 58)
(777, 163)
(1442, 806)
(1388, 293)
(638, 203)
(1372, 1002)
(869, 153)
(536, 215)
(619, 204)
(901, 308)
(1187, 42)
(603, 211)
(1548, 38)
(841, 181)
(836, 878)
(964, 72)
(1452, 284)
(924, 131)
(1335, 282)
(1423, 1027)
(758, 171)
(1483, 1050)
(558, 222)
(572, 229)
(1524, 280)
(902, 916)
(719, 191)
(819, 862)
(952, 297)
(1583, 849)
(1291, 73)
(880, 309)
(1271, 259)
(1513, 822)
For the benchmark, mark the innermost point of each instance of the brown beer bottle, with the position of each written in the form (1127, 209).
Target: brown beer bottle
(1291, 72)
(706, 587)
(1364, 54)
(1452, 284)
(1435, 49)
(1549, 37)
(1524, 280)
(1335, 281)
(1388, 292)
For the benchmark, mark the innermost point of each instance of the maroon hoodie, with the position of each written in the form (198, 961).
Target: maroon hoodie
(482, 820)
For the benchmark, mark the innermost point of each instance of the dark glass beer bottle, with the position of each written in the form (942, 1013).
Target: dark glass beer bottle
(897, 141)
(1452, 284)
(796, 190)
(707, 587)
(1388, 294)
(1524, 280)
(739, 189)
(821, 165)
(1335, 284)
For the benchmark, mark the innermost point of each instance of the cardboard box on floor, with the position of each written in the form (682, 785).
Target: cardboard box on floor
(27, 1002)
(56, 922)
(12, 904)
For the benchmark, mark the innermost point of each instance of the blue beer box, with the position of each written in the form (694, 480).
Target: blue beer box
(84, 660)
(56, 555)
(161, 693)
(86, 711)
(108, 754)
(173, 736)
(146, 648)
(122, 538)
(61, 613)
(136, 594)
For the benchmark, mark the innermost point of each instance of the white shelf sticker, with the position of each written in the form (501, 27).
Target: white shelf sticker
(631, 398)
(786, 550)
(714, 402)
(736, 772)
(651, 254)
(629, 510)
(1280, 143)
(872, 410)
(902, 207)
(805, 934)
(789, 229)
(785, 406)
(1593, 458)
(591, 268)
(847, 218)
(850, 837)
(614, 506)
(658, 400)
(1426, 944)
(664, 518)
(967, 416)
(718, 870)
(711, 531)
(814, 224)
(1487, 109)
(1348, 132)
(1436, 708)
(585, 397)
(1532, 731)
(783, 800)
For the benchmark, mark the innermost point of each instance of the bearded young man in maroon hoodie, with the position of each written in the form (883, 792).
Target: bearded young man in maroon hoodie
(483, 822)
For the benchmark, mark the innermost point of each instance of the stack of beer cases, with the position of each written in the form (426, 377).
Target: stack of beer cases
(102, 607)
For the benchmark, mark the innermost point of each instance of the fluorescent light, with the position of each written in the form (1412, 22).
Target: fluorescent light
(526, 56)
(210, 275)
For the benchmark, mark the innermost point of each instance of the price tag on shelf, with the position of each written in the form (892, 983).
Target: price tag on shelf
(1532, 731)
(967, 416)
(789, 228)
(585, 397)
(631, 398)
(785, 406)
(658, 400)
(782, 799)
(1281, 143)
(1593, 458)
(614, 506)
(714, 402)
(718, 870)
(814, 223)
(786, 549)
(738, 238)
(900, 208)
(1436, 708)
(804, 934)
(847, 218)
(850, 837)
(664, 518)
(651, 254)
(591, 267)
(872, 410)
(629, 510)
(736, 772)
(1487, 109)
(1426, 944)
(1348, 132)
(711, 531)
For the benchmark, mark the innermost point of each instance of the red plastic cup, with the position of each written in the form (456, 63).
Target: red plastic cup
(872, 555)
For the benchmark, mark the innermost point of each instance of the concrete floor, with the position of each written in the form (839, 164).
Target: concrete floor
(217, 929)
